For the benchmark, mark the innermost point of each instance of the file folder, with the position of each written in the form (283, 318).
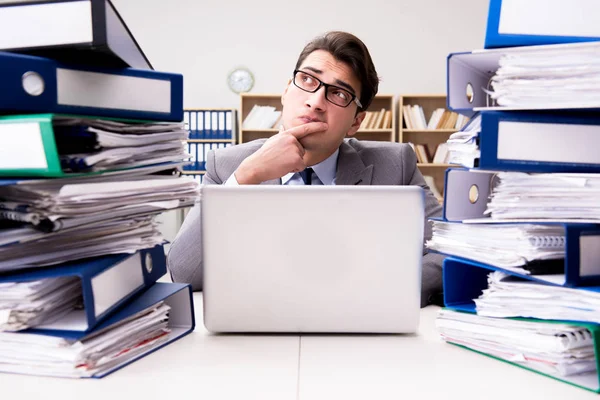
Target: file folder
(536, 22)
(181, 322)
(587, 380)
(107, 282)
(539, 142)
(76, 32)
(476, 69)
(581, 267)
(464, 280)
(30, 84)
(30, 149)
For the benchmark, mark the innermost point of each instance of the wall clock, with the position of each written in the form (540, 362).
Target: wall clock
(240, 80)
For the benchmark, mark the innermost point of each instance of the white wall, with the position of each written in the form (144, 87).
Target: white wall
(205, 39)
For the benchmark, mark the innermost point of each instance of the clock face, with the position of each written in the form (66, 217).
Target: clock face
(240, 80)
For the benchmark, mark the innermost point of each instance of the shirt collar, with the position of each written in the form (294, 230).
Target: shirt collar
(325, 170)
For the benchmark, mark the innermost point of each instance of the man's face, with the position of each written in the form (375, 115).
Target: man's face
(301, 107)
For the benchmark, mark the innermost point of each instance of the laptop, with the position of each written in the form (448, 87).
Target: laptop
(321, 259)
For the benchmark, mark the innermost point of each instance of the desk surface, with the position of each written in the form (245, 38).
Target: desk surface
(289, 367)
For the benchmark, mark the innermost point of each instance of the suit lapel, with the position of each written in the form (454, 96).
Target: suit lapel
(350, 168)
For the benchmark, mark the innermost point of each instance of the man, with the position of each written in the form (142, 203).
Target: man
(333, 84)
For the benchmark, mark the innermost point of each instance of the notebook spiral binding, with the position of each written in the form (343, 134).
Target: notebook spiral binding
(577, 336)
(547, 241)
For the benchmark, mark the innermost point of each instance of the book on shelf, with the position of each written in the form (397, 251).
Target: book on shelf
(262, 117)
(414, 118)
(381, 119)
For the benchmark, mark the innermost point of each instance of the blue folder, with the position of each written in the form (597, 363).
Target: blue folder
(464, 280)
(30, 84)
(526, 23)
(107, 282)
(580, 263)
(178, 296)
(539, 142)
(83, 32)
(476, 68)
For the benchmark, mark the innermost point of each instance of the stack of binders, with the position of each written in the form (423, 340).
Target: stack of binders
(92, 151)
(521, 219)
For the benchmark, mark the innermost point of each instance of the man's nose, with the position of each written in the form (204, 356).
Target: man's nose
(316, 100)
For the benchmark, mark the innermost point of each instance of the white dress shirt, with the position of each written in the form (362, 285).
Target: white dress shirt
(324, 173)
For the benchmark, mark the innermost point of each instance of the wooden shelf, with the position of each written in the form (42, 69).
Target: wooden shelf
(249, 100)
(435, 165)
(193, 172)
(430, 138)
(430, 130)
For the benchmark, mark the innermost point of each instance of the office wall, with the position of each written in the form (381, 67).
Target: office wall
(205, 39)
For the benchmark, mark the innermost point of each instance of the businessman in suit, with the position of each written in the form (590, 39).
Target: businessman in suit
(324, 104)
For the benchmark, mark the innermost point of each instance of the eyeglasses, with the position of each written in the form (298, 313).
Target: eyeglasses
(334, 94)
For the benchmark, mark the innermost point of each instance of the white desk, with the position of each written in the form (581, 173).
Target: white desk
(282, 367)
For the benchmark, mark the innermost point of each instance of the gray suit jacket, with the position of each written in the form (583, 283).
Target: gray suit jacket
(359, 163)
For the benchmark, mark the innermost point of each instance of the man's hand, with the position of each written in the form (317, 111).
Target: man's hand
(281, 154)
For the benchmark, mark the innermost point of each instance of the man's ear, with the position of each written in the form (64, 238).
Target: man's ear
(285, 90)
(358, 119)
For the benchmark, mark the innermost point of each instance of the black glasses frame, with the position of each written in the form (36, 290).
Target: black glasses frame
(327, 86)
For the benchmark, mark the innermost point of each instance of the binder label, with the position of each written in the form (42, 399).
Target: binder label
(22, 146)
(41, 25)
(116, 283)
(559, 16)
(120, 92)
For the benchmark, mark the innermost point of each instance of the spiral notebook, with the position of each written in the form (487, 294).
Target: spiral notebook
(563, 351)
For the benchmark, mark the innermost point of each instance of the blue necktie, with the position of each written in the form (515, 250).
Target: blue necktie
(306, 176)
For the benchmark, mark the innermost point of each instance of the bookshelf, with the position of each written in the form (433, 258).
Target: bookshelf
(249, 100)
(429, 138)
(209, 128)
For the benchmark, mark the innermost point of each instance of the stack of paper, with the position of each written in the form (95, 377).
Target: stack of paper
(506, 246)
(107, 214)
(556, 349)
(27, 304)
(509, 296)
(29, 248)
(570, 74)
(555, 196)
(89, 355)
(463, 146)
(98, 145)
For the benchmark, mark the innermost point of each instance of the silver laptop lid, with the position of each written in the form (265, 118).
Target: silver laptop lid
(312, 258)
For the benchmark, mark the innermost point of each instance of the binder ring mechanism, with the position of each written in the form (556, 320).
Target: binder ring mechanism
(473, 194)
(148, 263)
(33, 83)
(469, 93)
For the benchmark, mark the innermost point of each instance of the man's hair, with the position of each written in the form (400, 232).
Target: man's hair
(349, 49)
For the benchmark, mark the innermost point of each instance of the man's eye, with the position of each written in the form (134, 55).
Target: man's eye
(341, 94)
(307, 79)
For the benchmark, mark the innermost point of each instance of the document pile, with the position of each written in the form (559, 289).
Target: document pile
(510, 296)
(92, 145)
(27, 304)
(87, 356)
(463, 146)
(152, 319)
(570, 74)
(565, 350)
(90, 157)
(521, 223)
(518, 247)
(548, 196)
